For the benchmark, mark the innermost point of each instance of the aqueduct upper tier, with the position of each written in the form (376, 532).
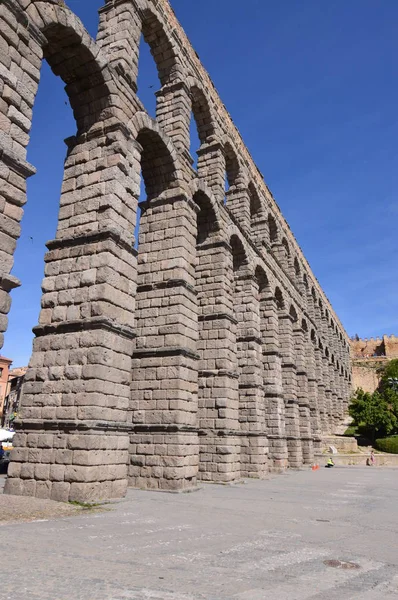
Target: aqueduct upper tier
(210, 353)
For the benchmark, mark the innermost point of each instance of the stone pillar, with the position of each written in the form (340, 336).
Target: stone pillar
(303, 396)
(164, 444)
(289, 381)
(20, 62)
(321, 389)
(119, 35)
(260, 230)
(251, 391)
(219, 431)
(335, 407)
(211, 168)
(273, 391)
(72, 442)
(239, 204)
(173, 113)
(328, 394)
(315, 418)
(340, 406)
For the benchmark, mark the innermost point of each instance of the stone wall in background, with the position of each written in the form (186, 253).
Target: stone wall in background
(211, 353)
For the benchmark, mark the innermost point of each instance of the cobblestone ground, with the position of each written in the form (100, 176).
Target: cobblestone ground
(329, 534)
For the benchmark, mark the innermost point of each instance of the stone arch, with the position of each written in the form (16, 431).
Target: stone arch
(207, 219)
(202, 112)
(304, 326)
(297, 270)
(262, 279)
(284, 255)
(273, 229)
(159, 160)
(286, 246)
(75, 57)
(162, 48)
(254, 201)
(232, 166)
(293, 313)
(280, 301)
(239, 255)
(200, 189)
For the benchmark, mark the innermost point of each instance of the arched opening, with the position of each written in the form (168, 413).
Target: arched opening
(207, 221)
(148, 78)
(280, 303)
(166, 312)
(239, 259)
(293, 314)
(201, 129)
(157, 174)
(285, 255)
(231, 171)
(157, 164)
(273, 230)
(90, 214)
(157, 64)
(71, 74)
(297, 271)
(288, 332)
(255, 202)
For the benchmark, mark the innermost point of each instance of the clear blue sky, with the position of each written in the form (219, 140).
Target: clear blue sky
(313, 88)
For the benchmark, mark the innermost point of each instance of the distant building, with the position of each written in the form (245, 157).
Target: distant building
(368, 356)
(13, 399)
(5, 364)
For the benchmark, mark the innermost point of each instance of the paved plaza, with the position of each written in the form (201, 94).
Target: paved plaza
(280, 539)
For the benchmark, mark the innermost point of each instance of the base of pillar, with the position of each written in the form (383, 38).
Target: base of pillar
(254, 456)
(163, 460)
(63, 491)
(68, 466)
(219, 458)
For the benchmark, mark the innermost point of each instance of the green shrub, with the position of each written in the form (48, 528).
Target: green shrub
(388, 444)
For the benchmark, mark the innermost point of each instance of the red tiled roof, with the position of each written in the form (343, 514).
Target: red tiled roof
(3, 358)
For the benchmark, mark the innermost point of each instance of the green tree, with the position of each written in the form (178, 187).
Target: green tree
(377, 413)
(389, 376)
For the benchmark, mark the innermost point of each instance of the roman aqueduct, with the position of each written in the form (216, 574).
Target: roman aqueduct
(210, 353)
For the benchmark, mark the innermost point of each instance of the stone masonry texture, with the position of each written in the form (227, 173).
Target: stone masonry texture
(211, 353)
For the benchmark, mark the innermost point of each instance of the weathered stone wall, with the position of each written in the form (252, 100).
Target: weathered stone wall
(369, 347)
(367, 357)
(212, 353)
(365, 373)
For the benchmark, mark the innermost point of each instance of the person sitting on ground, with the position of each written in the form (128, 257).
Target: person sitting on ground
(330, 463)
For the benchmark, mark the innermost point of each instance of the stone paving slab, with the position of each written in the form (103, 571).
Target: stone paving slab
(328, 534)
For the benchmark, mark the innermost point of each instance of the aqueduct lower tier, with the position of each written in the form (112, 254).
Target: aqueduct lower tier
(210, 353)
